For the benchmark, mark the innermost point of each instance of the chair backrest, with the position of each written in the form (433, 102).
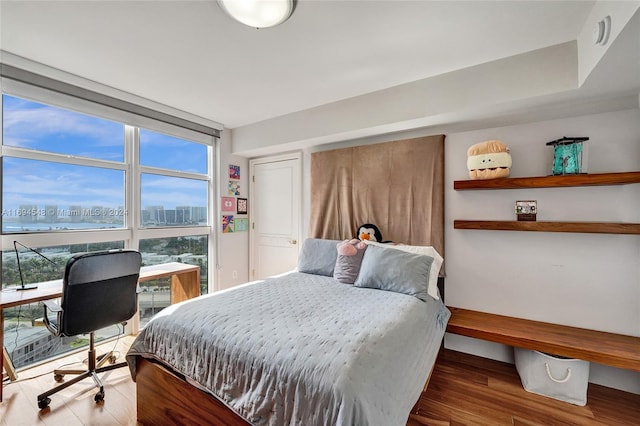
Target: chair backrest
(99, 289)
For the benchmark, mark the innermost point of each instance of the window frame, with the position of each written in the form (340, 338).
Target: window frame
(132, 230)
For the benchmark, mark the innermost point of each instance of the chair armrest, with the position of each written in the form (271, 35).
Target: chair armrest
(51, 306)
(51, 323)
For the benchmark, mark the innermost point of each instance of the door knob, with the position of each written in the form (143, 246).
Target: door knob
(293, 242)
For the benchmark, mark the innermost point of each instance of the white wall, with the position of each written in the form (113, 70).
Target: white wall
(233, 254)
(589, 53)
(584, 280)
(462, 95)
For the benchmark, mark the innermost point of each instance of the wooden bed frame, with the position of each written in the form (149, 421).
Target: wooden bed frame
(164, 397)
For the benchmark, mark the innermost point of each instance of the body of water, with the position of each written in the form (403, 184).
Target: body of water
(9, 227)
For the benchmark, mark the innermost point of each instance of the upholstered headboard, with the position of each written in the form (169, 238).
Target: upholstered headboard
(398, 186)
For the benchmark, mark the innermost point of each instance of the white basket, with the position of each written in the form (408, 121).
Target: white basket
(556, 377)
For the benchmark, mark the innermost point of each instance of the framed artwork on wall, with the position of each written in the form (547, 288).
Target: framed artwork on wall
(227, 224)
(241, 225)
(234, 188)
(234, 172)
(228, 204)
(242, 206)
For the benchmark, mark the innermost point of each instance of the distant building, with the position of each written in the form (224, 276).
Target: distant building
(156, 215)
(50, 214)
(27, 213)
(199, 214)
(28, 345)
(75, 214)
(183, 215)
(170, 217)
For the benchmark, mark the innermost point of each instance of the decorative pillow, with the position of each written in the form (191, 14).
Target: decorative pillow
(318, 256)
(423, 250)
(395, 270)
(350, 254)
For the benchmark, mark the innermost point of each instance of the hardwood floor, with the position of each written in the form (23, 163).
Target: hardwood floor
(73, 405)
(469, 390)
(464, 390)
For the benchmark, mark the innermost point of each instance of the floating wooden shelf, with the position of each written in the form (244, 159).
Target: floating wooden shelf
(580, 227)
(596, 179)
(612, 349)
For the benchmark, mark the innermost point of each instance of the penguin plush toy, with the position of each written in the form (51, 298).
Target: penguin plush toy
(369, 232)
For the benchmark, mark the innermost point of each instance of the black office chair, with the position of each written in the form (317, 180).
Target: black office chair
(99, 289)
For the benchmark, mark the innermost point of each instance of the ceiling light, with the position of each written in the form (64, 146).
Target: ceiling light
(258, 13)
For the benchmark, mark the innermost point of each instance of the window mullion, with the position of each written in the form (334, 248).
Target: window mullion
(214, 216)
(173, 173)
(132, 158)
(10, 151)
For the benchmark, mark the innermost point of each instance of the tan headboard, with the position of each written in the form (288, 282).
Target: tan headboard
(398, 186)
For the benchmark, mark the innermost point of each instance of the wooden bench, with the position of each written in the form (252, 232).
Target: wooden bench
(616, 350)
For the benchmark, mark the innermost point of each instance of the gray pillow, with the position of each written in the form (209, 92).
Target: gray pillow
(318, 256)
(395, 270)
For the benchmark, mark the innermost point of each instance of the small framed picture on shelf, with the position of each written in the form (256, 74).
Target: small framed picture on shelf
(526, 210)
(241, 206)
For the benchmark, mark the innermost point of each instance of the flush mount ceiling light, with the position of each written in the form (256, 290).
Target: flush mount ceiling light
(258, 13)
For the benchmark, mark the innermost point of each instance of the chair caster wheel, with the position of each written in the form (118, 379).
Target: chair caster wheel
(99, 397)
(44, 403)
(112, 359)
(58, 377)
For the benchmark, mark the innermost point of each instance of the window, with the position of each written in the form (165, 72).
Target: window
(39, 127)
(96, 178)
(155, 294)
(172, 201)
(48, 196)
(173, 181)
(168, 152)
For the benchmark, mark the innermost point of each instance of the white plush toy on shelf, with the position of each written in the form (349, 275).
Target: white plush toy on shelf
(488, 160)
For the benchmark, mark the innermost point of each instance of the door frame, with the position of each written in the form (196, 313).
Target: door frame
(296, 156)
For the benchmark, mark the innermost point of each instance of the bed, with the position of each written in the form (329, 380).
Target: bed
(300, 349)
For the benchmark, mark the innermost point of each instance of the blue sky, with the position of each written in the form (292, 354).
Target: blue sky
(40, 127)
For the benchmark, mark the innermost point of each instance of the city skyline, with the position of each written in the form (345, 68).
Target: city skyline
(50, 215)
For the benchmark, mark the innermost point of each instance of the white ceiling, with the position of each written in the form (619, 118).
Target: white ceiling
(190, 56)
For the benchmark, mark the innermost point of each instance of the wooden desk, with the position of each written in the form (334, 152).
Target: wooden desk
(615, 350)
(185, 279)
(185, 284)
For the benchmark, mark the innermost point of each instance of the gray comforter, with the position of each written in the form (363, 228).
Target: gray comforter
(302, 349)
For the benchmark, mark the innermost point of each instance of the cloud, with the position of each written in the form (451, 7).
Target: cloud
(175, 153)
(30, 182)
(32, 125)
(42, 127)
(42, 183)
(171, 192)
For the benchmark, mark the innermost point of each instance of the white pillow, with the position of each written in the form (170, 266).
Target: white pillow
(432, 288)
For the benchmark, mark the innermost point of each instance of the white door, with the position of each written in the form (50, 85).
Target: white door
(275, 215)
